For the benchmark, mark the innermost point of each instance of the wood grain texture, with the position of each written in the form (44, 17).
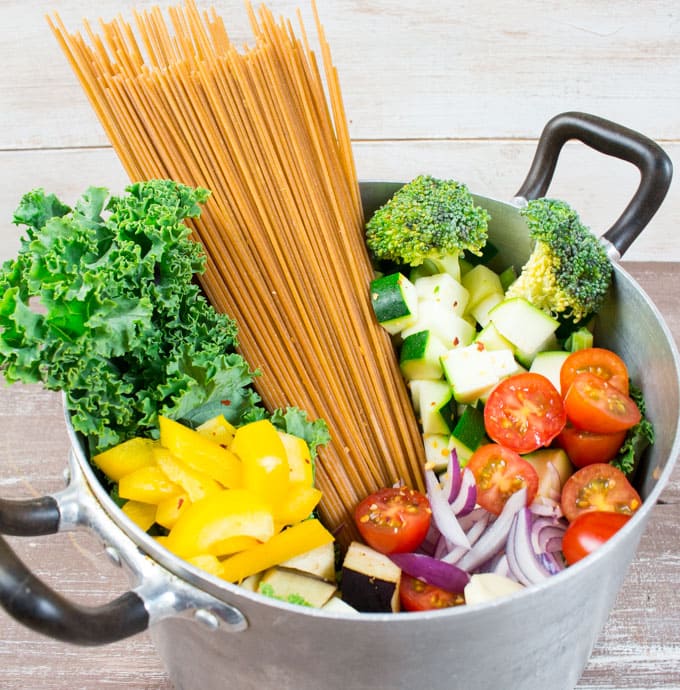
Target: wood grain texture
(638, 648)
(460, 91)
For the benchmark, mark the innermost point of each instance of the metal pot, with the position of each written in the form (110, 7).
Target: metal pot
(207, 630)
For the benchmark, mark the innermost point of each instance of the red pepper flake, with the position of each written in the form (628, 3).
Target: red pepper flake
(456, 340)
(226, 402)
(480, 347)
(455, 303)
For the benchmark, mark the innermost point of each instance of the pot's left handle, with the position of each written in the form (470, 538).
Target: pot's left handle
(159, 593)
(37, 606)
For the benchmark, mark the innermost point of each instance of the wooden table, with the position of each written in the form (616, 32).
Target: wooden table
(639, 647)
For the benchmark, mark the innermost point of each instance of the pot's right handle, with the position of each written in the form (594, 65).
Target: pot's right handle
(609, 138)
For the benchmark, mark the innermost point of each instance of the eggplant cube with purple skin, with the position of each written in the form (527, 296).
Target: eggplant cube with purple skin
(370, 580)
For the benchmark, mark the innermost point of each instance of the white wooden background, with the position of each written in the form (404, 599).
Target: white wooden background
(457, 89)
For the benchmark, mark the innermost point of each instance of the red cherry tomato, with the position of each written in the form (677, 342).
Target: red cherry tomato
(589, 531)
(586, 447)
(524, 412)
(598, 361)
(394, 520)
(499, 473)
(595, 405)
(599, 487)
(416, 595)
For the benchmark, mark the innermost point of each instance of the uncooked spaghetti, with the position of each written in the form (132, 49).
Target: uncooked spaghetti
(265, 130)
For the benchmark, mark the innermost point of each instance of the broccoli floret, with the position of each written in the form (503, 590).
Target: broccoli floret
(568, 273)
(427, 219)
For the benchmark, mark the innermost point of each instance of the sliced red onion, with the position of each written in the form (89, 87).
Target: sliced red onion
(473, 534)
(546, 534)
(494, 538)
(466, 499)
(546, 507)
(442, 515)
(432, 571)
(466, 521)
(555, 482)
(501, 567)
(452, 480)
(524, 562)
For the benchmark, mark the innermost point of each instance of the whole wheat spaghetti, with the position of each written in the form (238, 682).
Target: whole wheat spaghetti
(264, 129)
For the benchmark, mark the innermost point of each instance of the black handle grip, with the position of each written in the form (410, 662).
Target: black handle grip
(40, 608)
(29, 518)
(609, 138)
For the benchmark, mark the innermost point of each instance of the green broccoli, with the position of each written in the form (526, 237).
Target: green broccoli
(427, 219)
(568, 273)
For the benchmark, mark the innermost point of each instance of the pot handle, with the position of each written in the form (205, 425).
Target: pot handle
(37, 606)
(611, 139)
(159, 594)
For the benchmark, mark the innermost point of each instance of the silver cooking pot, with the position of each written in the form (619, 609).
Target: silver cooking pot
(210, 633)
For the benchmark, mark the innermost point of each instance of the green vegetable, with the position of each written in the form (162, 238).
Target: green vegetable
(427, 219)
(101, 303)
(568, 273)
(637, 439)
(268, 591)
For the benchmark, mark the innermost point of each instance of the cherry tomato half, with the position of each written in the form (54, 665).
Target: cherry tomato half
(394, 520)
(586, 447)
(593, 404)
(524, 412)
(499, 473)
(589, 531)
(598, 487)
(598, 361)
(416, 595)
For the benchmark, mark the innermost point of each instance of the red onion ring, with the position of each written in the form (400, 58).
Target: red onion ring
(432, 571)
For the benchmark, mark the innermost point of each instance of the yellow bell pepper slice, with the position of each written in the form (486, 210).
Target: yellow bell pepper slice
(200, 453)
(219, 430)
(196, 484)
(299, 458)
(148, 485)
(142, 514)
(264, 461)
(216, 519)
(126, 457)
(169, 510)
(207, 562)
(298, 505)
(293, 541)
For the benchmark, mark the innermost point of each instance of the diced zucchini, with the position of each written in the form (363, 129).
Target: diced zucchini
(481, 282)
(474, 370)
(580, 339)
(481, 310)
(436, 408)
(469, 428)
(439, 318)
(445, 289)
(529, 329)
(437, 451)
(540, 459)
(549, 364)
(419, 356)
(448, 264)
(508, 277)
(395, 302)
(492, 339)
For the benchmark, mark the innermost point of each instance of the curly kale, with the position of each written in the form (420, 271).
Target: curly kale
(638, 438)
(101, 303)
(427, 219)
(568, 273)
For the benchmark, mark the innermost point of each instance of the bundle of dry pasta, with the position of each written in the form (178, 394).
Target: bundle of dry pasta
(264, 129)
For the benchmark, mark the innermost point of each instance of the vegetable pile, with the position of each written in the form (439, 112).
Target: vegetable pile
(532, 433)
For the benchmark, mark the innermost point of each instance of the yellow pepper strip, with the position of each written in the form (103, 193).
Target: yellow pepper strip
(265, 465)
(299, 458)
(196, 484)
(200, 453)
(169, 510)
(207, 562)
(299, 504)
(142, 514)
(216, 518)
(293, 541)
(148, 485)
(219, 430)
(126, 457)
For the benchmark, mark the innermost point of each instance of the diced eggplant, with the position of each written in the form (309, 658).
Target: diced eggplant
(319, 562)
(296, 587)
(370, 580)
